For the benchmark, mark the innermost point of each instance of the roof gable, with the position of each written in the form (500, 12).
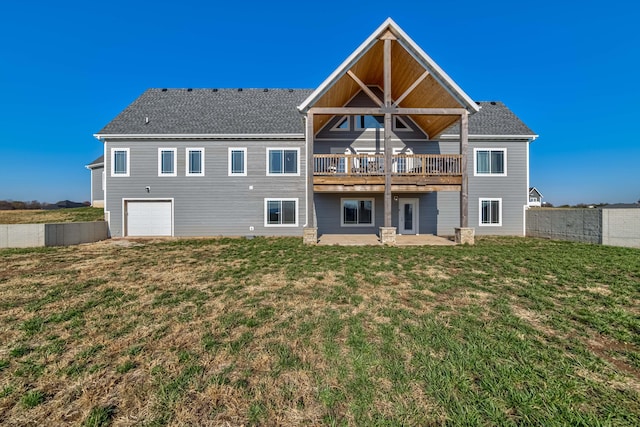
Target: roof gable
(416, 80)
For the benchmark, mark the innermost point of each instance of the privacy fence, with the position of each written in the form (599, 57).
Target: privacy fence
(63, 234)
(615, 227)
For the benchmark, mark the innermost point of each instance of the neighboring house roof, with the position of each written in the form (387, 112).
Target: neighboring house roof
(534, 190)
(99, 162)
(256, 111)
(494, 118)
(211, 111)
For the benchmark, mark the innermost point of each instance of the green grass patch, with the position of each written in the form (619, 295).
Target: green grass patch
(32, 398)
(266, 331)
(100, 416)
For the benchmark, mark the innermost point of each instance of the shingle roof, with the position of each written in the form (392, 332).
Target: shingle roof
(212, 111)
(494, 118)
(96, 162)
(259, 111)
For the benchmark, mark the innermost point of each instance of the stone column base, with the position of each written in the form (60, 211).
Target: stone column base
(465, 236)
(388, 235)
(310, 236)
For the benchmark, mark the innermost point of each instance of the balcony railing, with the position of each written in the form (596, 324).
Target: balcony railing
(373, 165)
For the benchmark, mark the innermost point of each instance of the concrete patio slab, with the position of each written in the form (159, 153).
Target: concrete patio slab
(373, 240)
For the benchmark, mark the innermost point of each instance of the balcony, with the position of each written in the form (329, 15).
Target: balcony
(366, 172)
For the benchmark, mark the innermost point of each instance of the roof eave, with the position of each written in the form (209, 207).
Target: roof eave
(219, 136)
(529, 138)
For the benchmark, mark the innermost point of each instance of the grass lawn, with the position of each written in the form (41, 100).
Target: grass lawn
(35, 216)
(511, 331)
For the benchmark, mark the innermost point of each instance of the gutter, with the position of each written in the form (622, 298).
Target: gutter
(256, 136)
(530, 138)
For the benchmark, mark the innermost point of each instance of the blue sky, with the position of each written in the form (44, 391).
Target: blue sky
(567, 69)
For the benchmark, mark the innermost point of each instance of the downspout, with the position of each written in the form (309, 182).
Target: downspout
(306, 180)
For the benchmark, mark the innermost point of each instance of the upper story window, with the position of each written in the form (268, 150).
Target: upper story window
(400, 125)
(281, 161)
(369, 122)
(119, 162)
(167, 162)
(342, 124)
(490, 212)
(195, 162)
(238, 161)
(490, 161)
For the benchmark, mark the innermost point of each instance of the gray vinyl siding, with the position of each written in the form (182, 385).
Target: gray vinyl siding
(439, 211)
(97, 193)
(214, 204)
(512, 188)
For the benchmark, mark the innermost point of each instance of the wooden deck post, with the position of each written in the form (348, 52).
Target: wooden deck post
(387, 129)
(464, 152)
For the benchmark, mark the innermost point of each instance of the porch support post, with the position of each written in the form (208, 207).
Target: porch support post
(310, 231)
(464, 188)
(464, 234)
(387, 130)
(387, 233)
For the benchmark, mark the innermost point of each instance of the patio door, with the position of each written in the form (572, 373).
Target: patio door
(408, 217)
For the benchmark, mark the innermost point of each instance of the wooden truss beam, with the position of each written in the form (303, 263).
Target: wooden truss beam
(364, 88)
(371, 111)
(411, 88)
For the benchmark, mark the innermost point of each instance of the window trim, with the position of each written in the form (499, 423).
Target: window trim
(490, 199)
(175, 161)
(335, 127)
(359, 199)
(475, 161)
(280, 199)
(113, 163)
(283, 149)
(187, 168)
(395, 127)
(244, 163)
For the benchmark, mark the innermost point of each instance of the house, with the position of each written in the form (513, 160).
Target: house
(535, 197)
(388, 144)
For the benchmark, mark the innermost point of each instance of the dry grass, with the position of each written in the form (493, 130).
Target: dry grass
(236, 332)
(34, 216)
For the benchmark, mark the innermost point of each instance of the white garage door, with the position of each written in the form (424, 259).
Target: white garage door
(149, 218)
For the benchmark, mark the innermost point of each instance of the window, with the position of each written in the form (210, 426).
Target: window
(369, 122)
(238, 161)
(195, 162)
(490, 161)
(280, 212)
(167, 162)
(400, 125)
(357, 213)
(490, 212)
(282, 161)
(119, 162)
(342, 124)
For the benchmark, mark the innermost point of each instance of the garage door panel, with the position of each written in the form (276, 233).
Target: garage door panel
(149, 218)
